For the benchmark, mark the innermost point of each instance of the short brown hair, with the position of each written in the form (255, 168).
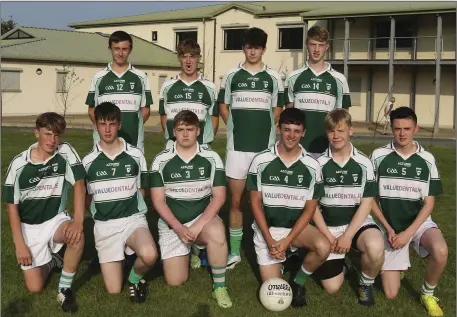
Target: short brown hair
(51, 121)
(336, 117)
(188, 46)
(186, 117)
(317, 33)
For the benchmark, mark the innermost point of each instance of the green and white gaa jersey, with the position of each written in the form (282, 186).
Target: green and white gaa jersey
(285, 188)
(345, 186)
(251, 99)
(41, 189)
(316, 94)
(198, 96)
(114, 182)
(129, 91)
(188, 184)
(404, 182)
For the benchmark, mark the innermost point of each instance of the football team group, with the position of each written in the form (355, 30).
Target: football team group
(311, 189)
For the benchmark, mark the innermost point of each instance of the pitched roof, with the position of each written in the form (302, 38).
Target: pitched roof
(273, 8)
(198, 13)
(374, 8)
(78, 47)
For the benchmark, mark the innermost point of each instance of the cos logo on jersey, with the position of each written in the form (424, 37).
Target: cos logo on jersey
(274, 178)
(101, 173)
(330, 180)
(175, 175)
(109, 87)
(392, 171)
(242, 85)
(306, 86)
(178, 96)
(34, 180)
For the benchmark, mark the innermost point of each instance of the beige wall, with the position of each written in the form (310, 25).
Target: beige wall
(425, 99)
(38, 92)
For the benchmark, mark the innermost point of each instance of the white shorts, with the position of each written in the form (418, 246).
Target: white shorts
(40, 239)
(398, 260)
(169, 242)
(237, 164)
(170, 143)
(339, 230)
(111, 236)
(261, 247)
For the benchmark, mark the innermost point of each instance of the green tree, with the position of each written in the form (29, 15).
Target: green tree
(8, 25)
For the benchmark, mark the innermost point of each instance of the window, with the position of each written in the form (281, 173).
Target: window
(61, 83)
(404, 33)
(154, 36)
(355, 89)
(232, 39)
(162, 79)
(11, 80)
(290, 38)
(18, 35)
(182, 35)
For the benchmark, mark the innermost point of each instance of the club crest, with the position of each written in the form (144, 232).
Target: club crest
(355, 177)
(128, 168)
(300, 179)
(200, 95)
(202, 171)
(418, 171)
(132, 86)
(329, 86)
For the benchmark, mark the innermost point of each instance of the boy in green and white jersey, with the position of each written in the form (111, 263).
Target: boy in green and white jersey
(189, 91)
(316, 89)
(36, 193)
(344, 211)
(126, 87)
(117, 177)
(408, 182)
(251, 98)
(285, 184)
(188, 190)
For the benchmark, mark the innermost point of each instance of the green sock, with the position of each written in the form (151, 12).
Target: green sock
(134, 278)
(218, 276)
(236, 235)
(302, 275)
(66, 279)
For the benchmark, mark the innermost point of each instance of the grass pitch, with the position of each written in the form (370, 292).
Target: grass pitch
(193, 299)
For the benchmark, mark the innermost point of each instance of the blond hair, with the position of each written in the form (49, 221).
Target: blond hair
(336, 117)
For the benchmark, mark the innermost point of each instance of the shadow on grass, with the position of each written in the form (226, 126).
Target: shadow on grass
(410, 289)
(203, 311)
(19, 307)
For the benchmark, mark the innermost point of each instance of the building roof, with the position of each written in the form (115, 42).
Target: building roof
(39, 44)
(274, 8)
(199, 13)
(376, 8)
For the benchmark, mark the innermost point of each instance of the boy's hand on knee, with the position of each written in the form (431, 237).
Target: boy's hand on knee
(73, 232)
(23, 255)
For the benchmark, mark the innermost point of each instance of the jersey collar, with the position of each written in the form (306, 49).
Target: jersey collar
(124, 148)
(191, 158)
(274, 151)
(419, 149)
(28, 155)
(119, 74)
(327, 69)
(200, 77)
(328, 153)
(264, 68)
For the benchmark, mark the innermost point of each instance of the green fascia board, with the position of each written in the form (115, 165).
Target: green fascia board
(81, 47)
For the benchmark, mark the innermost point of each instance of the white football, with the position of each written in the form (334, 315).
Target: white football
(275, 294)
